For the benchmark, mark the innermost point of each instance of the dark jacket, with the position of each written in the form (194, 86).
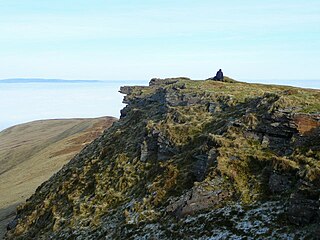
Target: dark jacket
(219, 75)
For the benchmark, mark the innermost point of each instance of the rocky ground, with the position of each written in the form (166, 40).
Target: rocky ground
(190, 160)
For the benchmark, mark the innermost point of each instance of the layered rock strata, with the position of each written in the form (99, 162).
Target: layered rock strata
(190, 160)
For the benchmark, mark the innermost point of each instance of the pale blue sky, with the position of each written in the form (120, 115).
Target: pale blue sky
(141, 39)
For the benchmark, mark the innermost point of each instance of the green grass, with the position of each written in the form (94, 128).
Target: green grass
(109, 179)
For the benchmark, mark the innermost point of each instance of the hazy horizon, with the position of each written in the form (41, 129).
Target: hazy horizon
(132, 39)
(30, 101)
(304, 83)
(25, 102)
(121, 41)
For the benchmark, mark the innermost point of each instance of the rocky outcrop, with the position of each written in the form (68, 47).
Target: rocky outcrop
(307, 123)
(210, 195)
(190, 159)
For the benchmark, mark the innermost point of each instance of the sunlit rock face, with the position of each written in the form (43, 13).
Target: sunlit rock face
(190, 160)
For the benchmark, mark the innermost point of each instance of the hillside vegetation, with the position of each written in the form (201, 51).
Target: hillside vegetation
(190, 160)
(30, 153)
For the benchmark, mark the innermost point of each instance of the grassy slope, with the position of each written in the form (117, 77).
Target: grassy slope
(30, 153)
(109, 182)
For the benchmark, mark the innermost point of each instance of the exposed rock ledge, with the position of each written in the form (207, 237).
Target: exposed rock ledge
(190, 160)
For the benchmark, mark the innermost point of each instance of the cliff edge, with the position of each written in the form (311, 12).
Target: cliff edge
(190, 160)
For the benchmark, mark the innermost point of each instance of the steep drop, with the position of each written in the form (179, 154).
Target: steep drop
(190, 159)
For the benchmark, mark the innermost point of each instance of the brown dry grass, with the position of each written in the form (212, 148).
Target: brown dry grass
(31, 153)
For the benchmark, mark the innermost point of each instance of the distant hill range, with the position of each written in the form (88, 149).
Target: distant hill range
(30, 153)
(41, 80)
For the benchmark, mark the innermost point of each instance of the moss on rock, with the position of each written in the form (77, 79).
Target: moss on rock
(184, 150)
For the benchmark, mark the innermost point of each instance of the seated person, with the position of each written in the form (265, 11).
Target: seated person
(219, 76)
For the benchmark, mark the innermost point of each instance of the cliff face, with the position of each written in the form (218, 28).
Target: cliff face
(190, 159)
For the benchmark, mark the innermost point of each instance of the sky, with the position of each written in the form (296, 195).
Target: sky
(140, 39)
